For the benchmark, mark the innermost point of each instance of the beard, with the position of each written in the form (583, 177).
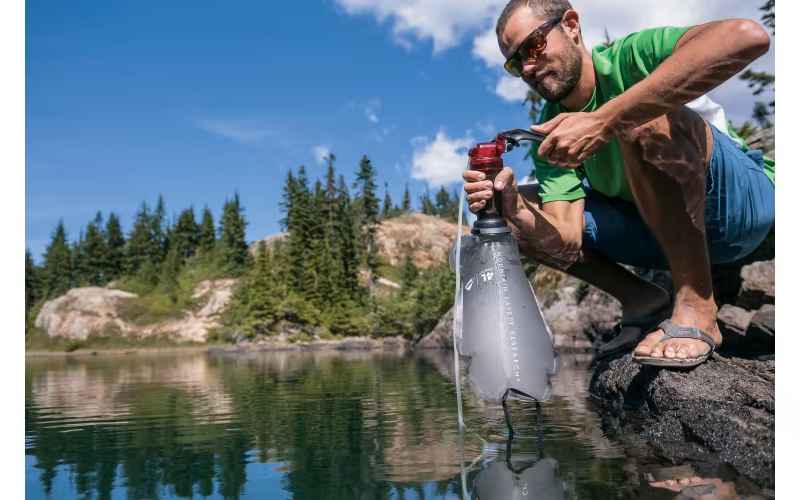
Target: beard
(556, 85)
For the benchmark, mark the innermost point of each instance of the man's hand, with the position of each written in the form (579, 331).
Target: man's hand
(573, 137)
(479, 190)
(552, 238)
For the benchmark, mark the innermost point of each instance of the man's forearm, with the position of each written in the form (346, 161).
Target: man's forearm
(549, 234)
(706, 56)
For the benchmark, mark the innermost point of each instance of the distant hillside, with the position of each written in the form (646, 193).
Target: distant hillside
(426, 237)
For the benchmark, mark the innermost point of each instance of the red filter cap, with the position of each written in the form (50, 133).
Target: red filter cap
(487, 156)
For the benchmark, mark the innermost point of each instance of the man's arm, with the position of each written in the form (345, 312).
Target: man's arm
(550, 232)
(557, 236)
(705, 56)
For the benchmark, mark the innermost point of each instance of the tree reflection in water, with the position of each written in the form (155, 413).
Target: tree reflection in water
(294, 425)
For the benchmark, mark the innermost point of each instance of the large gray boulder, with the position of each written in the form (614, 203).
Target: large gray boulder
(758, 285)
(721, 412)
(82, 312)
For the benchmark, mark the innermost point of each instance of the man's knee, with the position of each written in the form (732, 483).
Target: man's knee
(681, 124)
(677, 142)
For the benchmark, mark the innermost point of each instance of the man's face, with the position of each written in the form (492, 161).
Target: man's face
(557, 70)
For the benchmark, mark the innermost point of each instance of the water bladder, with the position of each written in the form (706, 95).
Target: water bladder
(505, 344)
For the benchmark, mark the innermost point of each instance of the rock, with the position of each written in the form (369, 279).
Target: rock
(82, 311)
(427, 238)
(761, 331)
(358, 344)
(576, 312)
(195, 325)
(758, 285)
(733, 322)
(395, 343)
(720, 412)
(93, 310)
(441, 337)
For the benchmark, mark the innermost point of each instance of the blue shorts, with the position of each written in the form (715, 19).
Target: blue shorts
(739, 213)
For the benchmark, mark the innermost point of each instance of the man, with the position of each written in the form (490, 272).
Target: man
(628, 174)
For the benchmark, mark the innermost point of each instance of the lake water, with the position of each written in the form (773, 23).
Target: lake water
(324, 425)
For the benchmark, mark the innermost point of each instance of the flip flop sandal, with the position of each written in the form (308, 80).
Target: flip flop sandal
(673, 331)
(624, 344)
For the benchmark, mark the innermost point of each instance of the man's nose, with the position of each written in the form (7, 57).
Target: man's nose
(529, 66)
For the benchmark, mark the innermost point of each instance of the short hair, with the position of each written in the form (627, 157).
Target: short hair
(547, 9)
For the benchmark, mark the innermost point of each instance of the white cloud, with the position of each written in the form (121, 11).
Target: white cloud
(441, 161)
(485, 48)
(241, 131)
(321, 153)
(511, 89)
(448, 23)
(371, 109)
(444, 22)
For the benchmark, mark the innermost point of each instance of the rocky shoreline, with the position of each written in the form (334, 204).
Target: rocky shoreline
(720, 414)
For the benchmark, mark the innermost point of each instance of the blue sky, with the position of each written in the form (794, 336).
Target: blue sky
(197, 100)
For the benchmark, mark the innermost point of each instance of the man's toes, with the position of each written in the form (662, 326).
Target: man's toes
(648, 344)
(683, 351)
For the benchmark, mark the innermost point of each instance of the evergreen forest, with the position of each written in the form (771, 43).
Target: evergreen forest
(319, 277)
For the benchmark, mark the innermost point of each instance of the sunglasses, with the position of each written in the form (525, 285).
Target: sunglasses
(530, 48)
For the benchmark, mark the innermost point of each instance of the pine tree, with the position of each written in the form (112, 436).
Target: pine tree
(313, 232)
(234, 254)
(256, 303)
(406, 207)
(185, 235)
(388, 210)
(94, 254)
(301, 222)
(158, 220)
(331, 271)
(264, 295)
(288, 200)
(368, 212)
(347, 241)
(80, 272)
(170, 269)
(443, 204)
(427, 205)
(32, 283)
(115, 245)
(761, 81)
(57, 268)
(143, 246)
(208, 236)
(408, 275)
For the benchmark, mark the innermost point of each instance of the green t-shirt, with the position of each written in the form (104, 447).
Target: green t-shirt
(617, 67)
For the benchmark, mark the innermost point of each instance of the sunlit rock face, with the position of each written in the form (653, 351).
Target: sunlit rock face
(426, 238)
(82, 311)
(93, 310)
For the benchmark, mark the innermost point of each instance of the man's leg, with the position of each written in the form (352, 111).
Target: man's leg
(637, 296)
(666, 162)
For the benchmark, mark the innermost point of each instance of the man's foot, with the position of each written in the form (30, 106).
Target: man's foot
(648, 310)
(703, 317)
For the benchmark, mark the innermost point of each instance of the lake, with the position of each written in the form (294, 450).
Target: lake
(320, 425)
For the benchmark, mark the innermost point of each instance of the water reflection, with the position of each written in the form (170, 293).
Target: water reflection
(298, 425)
(519, 473)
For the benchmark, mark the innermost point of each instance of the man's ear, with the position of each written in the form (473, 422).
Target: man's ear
(571, 24)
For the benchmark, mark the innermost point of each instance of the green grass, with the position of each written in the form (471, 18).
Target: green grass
(36, 339)
(149, 309)
(393, 273)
